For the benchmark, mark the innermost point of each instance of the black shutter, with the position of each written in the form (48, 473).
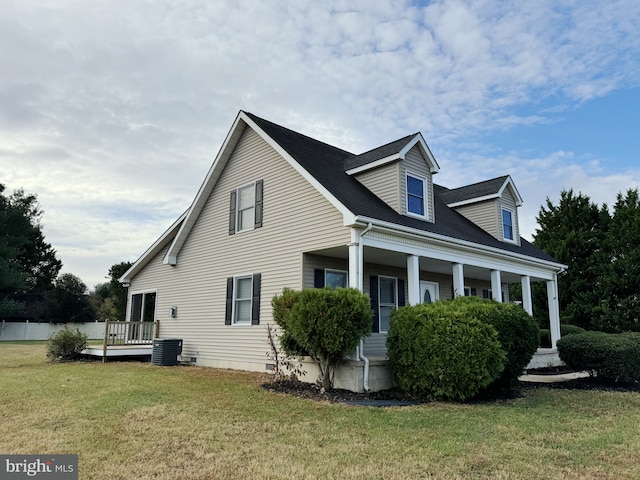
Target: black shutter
(229, 304)
(373, 293)
(485, 293)
(232, 213)
(473, 292)
(401, 301)
(318, 278)
(255, 300)
(258, 210)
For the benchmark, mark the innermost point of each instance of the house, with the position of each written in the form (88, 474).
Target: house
(279, 209)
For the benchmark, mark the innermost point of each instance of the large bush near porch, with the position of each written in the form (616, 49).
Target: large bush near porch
(328, 325)
(281, 307)
(613, 357)
(518, 334)
(438, 350)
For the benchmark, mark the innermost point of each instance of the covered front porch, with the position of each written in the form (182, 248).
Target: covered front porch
(424, 270)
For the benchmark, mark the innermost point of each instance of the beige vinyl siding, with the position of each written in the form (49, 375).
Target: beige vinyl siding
(415, 163)
(484, 214)
(508, 201)
(296, 219)
(384, 183)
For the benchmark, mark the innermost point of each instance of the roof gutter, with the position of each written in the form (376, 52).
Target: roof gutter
(444, 240)
(360, 349)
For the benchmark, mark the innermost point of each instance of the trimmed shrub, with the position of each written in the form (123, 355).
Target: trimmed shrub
(436, 350)
(613, 357)
(66, 344)
(518, 334)
(328, 324)
(281, 306)
(565, 329)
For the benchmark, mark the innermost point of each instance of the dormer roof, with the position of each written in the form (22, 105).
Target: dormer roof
(481, 191)
(390, 152)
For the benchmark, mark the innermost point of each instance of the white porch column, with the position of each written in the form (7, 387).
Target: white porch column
(355, 261)
(527, 300)
(458, 280)
(554, 310)
(413, 279)
(496, 285)
(356, 278)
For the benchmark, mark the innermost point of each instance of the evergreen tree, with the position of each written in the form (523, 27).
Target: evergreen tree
(574, 233)
(27, 263)
(621, 276)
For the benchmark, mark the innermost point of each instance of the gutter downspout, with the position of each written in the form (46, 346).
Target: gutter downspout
(361, 280)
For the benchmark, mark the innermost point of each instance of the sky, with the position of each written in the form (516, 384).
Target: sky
(113, 111)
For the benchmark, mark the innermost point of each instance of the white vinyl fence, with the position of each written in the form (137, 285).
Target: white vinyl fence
(42, 331)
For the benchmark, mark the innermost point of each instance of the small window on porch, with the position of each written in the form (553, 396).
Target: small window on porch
(335, 278)
(388, 300)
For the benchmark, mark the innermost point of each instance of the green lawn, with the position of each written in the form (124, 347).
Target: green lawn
(130, 420)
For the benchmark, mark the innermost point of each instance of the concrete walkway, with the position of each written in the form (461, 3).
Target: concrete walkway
(561, 377)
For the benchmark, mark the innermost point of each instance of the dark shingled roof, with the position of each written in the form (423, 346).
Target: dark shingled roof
(476, 190)
(326, 164)
(377, 153)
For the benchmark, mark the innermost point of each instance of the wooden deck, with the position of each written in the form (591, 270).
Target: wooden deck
(125, 339)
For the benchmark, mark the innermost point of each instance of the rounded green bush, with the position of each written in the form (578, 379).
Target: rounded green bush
(66, 344)
(614, 357)
(565, 329)
(435, 350)
(328, 324)
(281, 307)
(518, 333)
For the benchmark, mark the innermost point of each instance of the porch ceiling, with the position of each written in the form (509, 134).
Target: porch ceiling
(399, 260)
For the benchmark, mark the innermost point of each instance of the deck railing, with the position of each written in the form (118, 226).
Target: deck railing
(129, 333)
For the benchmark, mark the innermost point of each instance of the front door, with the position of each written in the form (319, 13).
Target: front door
(429, 292)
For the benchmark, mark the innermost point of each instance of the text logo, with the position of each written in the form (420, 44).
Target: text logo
(50, 467)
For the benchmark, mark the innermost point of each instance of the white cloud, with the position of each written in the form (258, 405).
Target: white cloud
(113, 110)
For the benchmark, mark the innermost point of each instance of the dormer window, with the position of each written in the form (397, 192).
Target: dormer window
(416, 195)
(507, 225)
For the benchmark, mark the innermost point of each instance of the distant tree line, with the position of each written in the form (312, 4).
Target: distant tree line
(601, 287)
(30, 285)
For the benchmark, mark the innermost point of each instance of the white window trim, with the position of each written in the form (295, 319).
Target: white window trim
(335, 270)
(234, 322)
(513, 224)
(425, 198)
(380, 330)
(143, 293)
(238, 230)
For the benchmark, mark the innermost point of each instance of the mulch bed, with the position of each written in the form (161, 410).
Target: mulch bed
(394, 397)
